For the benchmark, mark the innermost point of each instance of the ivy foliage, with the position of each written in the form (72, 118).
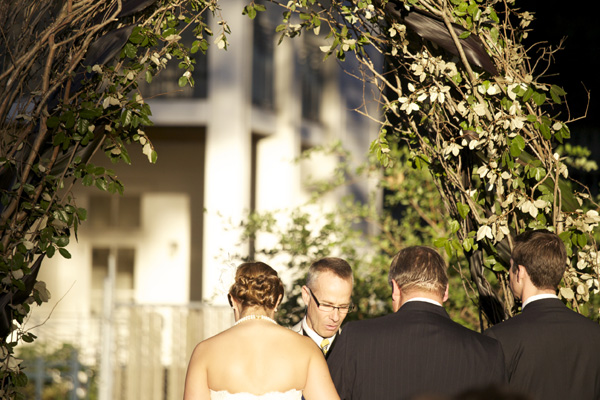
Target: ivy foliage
(410, 215)
(471, 103)
(473, 109)
(69, 75)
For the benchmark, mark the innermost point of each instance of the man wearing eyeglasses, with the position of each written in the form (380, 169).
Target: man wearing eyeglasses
(327, 295)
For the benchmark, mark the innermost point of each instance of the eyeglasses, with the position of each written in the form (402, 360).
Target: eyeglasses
(329, 307)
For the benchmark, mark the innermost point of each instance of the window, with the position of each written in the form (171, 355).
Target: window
(166, 83)
(123, 279)
(312, 79)
(108, 218)
(107, 212)
(263, 61)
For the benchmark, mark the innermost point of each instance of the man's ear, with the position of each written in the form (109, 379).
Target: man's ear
(446, 293)
(396, 296)
(396, 291)
(521, 273)
(305, 295)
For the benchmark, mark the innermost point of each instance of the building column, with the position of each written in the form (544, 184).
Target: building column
(228, 147)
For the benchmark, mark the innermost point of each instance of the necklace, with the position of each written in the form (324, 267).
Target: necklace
(252, 316)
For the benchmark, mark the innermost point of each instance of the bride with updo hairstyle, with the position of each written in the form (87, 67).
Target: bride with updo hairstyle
(256, 359)
(256, 285)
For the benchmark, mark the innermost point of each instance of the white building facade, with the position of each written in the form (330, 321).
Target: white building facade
(224, 147)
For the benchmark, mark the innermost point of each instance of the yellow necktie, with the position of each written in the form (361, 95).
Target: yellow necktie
(324, 344)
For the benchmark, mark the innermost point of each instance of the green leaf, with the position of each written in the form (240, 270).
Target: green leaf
(28, 337)
(63, 252)
(468, 244)
(440, 242)
(19, 379)
(545, 131)
(62, 215)
(454, 226)
(463, 210)
(125, 156)
(130, 50)
(508, 161)
(52, 122)
(136, 37)
(556, 92)
(62, 241)
(539, 173)
(82, 213)
(126, 117)
(493, 16)
(182, 81)
(83, 125)
(250, 11)
(494, 34)
(101, 184)
(517, 146)
(69, 119)
(565, 133)
(448, 248)
(497, 267)
(50, 251)
(539, 98)
(89, 112)
(581, 240)
(528, 93)
(87, 180)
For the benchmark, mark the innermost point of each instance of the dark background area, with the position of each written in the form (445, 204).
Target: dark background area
(576, 67)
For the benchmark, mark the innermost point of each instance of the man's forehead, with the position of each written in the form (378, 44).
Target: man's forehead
(331, 287)
(328, 278)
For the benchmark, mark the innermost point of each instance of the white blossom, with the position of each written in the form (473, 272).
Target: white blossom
(484, 231)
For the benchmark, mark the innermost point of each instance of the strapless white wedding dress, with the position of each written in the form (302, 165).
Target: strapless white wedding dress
(292, 394)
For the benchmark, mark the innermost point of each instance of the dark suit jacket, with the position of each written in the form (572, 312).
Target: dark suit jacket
(417, 350)
(551, 352)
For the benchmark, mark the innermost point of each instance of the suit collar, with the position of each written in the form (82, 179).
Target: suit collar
(538, 297)
(303, 329)
(307, 331)
(425, 300)
(417, 305)
(553, 302)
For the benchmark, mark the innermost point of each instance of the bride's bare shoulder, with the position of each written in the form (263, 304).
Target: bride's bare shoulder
(212, 342)
(300, 340)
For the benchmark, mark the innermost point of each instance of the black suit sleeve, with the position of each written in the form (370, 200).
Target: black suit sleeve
(499, 372)
(505, 363)
(340, 367)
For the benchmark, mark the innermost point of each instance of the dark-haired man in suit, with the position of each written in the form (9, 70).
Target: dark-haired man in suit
(327, 295)
(550, 351)
(418, 350)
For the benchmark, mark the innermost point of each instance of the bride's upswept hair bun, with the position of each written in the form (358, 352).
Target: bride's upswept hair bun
(256, 284)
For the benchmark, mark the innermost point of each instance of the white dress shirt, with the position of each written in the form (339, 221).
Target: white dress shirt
(538, 297)
(425, 299)
(315, 336)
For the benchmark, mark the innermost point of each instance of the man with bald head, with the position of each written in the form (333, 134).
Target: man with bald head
(417, 350)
